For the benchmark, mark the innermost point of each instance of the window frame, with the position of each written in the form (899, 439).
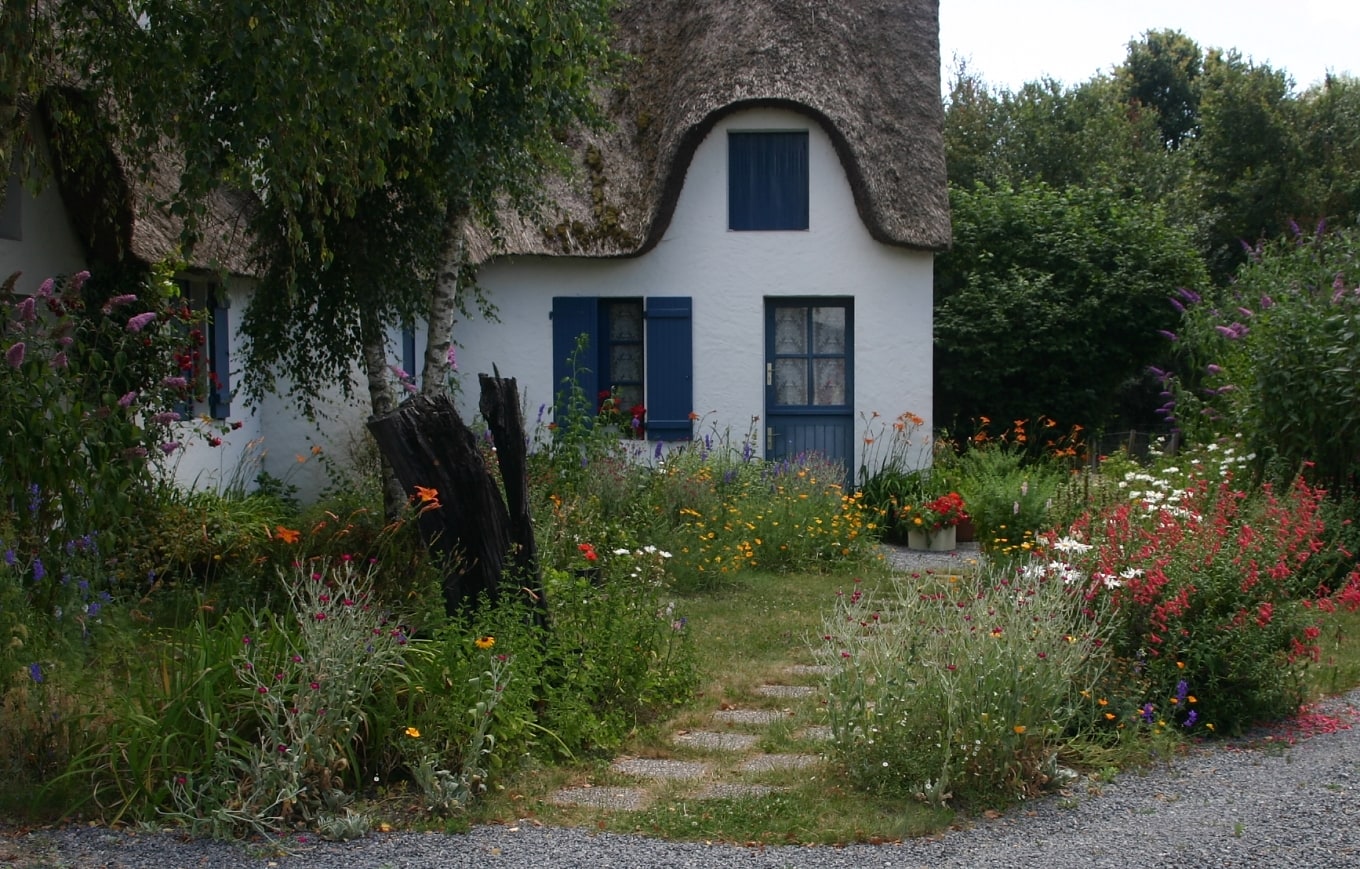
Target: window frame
(769, 180)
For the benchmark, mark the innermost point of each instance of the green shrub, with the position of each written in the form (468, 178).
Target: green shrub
(1271, 358)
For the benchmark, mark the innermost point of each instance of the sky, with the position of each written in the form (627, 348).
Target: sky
(1010, 42)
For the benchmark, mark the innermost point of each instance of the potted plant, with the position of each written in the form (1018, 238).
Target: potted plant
(933, 524)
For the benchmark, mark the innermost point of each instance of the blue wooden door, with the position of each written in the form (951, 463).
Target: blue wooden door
(809, 378)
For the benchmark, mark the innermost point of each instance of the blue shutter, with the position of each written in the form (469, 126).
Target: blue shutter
(408, 351)
(573, 316)
(767, 181)
(219, 389)
(670, 368)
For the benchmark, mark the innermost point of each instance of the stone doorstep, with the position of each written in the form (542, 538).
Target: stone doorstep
(614, 799)
(786, 690)
(771, 762)
(649, 767)
(819, 732)
(716, 740)
(808, 670)
(749, 716)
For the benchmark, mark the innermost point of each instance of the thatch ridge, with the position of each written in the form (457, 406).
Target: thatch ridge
(866, 70)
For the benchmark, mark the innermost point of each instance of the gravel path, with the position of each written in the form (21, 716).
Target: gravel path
(1286, 797)
(1266, 802)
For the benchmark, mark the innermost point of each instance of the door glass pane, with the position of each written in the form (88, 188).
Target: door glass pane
(790, 330)
(828, 330)
(790, 381)
(829, 375)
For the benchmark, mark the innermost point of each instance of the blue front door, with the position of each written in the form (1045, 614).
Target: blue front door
(809, 378)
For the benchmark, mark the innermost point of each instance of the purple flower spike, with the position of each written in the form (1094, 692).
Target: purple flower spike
(35, 672)
(1188, 295)
(46, 289)
(1213, 369)
(28, 310)
(169, 447)
(1191, 718)
(1175, 303)
(139, 322)
(1170, 336)
(127, 399)
(78, 280)
(15, 355)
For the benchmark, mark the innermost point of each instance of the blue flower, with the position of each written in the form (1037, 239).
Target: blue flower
(35, 672)
(1191, 718)
(38, 570)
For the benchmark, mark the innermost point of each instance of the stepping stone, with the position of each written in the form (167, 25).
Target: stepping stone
(808, 670)
(615, 799)
(650, 767)
(722, 791)
(748, 716)
(819, 732)
(768, 762)
(714, 739)
(786, 690)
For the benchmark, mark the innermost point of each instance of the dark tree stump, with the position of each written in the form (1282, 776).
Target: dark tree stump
(428, 445)
(500, 408)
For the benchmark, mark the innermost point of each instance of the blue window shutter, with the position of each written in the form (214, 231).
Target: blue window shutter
(408, 351)
(573, 316)
(767, 181)
(670, 367)
(219, 392)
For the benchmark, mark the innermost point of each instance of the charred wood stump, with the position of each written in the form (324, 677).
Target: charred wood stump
(500, 408)
(429, 445)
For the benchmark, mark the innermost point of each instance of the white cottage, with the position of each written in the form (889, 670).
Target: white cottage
(753, 238)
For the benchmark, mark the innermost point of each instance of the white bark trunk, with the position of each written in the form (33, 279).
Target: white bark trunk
(435, 377)
(382, 398)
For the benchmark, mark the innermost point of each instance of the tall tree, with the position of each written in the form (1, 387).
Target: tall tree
(1162, 72)
(370, 126)
(1247, 159)
(370, 132)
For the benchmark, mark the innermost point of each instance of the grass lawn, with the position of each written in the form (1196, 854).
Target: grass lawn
(750, 636)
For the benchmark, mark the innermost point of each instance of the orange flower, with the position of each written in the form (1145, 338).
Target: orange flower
(1019, 728)
(287, 535)
(426, 494)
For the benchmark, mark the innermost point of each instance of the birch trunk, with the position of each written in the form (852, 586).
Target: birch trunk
(382, 399)
(444, 305)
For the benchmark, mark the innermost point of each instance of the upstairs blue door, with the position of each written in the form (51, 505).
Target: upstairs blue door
(809, 378)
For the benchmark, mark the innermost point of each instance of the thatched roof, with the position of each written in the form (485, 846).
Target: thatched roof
(868, 71)
(117, 212)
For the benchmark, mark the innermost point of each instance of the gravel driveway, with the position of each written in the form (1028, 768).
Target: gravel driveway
(1286, 797)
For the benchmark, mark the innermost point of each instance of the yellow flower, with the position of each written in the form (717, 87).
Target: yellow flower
(1019, 728)
(413, 733)
(485, 642)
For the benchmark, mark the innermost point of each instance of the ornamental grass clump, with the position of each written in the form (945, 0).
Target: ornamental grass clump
(948, 688)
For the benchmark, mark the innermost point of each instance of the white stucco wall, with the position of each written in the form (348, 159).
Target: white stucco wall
(729, 275)
(48, 246)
